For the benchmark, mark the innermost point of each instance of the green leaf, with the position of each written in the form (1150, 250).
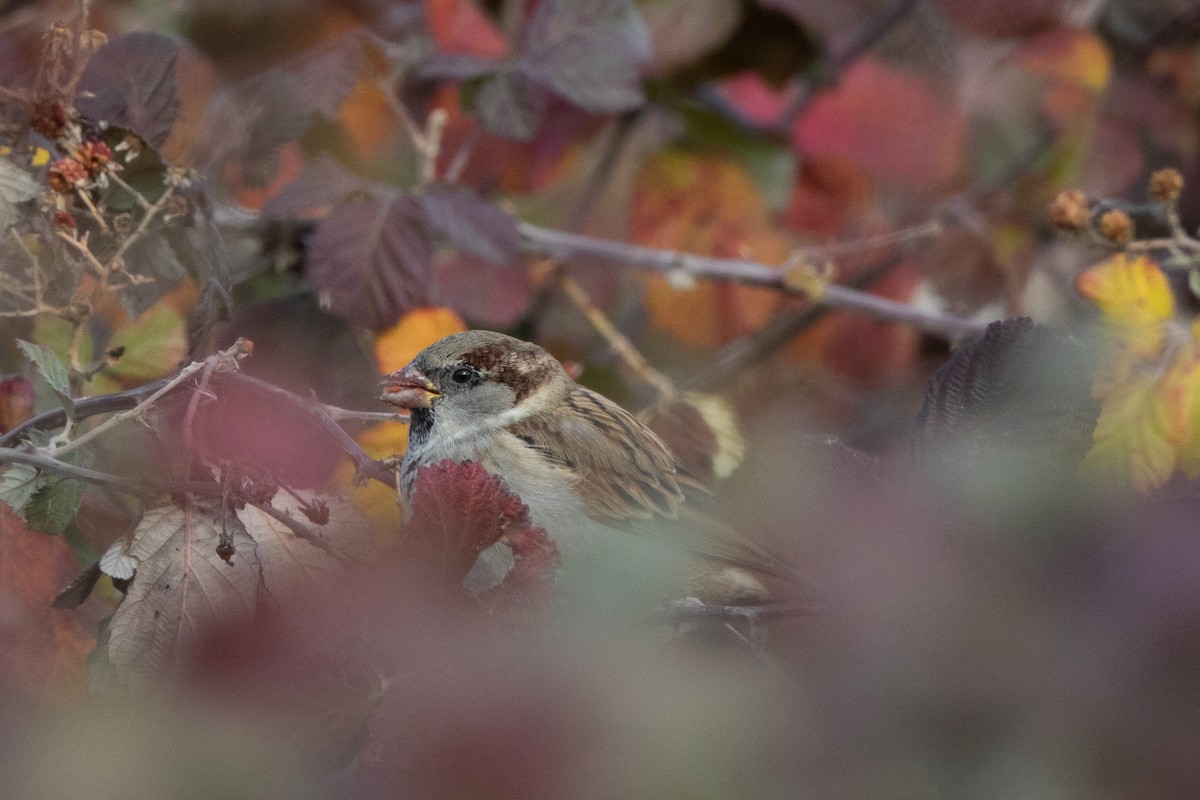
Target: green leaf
(54, 505)
(17, 185)
(47, 365)
(19, 483)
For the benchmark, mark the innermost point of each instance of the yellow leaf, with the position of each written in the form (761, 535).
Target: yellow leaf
(415, 331)
(378, 502)
(1182, 390)
(1135, 299)
(1133, 444)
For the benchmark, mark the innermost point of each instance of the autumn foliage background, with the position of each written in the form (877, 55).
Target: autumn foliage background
(1002, 564)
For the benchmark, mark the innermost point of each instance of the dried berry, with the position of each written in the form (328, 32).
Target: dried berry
(1117, 227)
(1166, 185)
(1069, 211)
(66, 174)
(49, 118)
(94, 155)
(63, 219)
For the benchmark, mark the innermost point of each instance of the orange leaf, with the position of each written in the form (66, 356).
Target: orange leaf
(1181, 385)
(1133, 441)
(708, 206)
(415, 331)
(1135, 299)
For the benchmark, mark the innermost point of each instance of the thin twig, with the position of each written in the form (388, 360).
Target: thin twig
(566, 247)
(230, 355)
(125, 485)
(619, 343)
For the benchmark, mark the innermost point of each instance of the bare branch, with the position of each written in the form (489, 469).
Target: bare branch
(567, 247)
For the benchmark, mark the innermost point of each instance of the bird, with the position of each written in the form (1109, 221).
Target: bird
(582, 464)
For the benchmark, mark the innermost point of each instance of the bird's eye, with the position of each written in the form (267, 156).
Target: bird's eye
(463, 375)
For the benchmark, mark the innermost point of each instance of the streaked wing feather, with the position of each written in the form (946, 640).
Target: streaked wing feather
(617, 479)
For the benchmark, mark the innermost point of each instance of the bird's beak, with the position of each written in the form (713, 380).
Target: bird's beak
(408, 388)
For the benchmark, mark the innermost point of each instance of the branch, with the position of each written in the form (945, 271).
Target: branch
(294, 525)
(566, 247)
(125, 485)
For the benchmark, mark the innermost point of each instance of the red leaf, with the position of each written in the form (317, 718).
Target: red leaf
(890, 122)
(460, 27)
(16, 402)
(458, 510)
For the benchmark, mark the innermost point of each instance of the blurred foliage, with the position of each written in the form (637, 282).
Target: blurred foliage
(1004, 593)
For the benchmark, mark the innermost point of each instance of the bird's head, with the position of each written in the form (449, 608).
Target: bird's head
(473, 373)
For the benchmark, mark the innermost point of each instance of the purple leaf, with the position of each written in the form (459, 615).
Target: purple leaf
(483, 293)
(132, 80)
(589, 52)
(373, 260)
(321, 183)
(509, 105)
(328, 75)
(470, 222)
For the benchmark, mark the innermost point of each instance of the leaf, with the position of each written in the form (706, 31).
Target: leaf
(470, 222)
(416, 330)
(1132, 443)
(702, 432)
(328, 75)
(489, 295)
(459, 510)
(16, 402)
(17, 185)
(18, 483)
(152, 346)
(181, 588)
(890, 122)
(589, 52)
(709, 206)
(54, 505)
(132, 80)
(508, 104)
(460, 27)
(291, 564)
(43, 650)
(50, 368)
(1135, 298)
(321, 183)
(682, 31)
(372, 260)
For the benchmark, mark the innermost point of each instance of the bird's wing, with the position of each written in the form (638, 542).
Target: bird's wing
(623, 471)
(628, 477)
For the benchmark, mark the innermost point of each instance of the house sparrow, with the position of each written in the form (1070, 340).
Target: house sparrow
(581, 463)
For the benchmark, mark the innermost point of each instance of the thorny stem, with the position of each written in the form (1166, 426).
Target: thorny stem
(294, 525)
(225, 359)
